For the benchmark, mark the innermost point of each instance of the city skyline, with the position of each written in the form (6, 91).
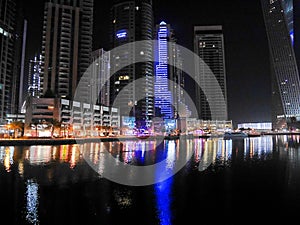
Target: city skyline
(245, 37)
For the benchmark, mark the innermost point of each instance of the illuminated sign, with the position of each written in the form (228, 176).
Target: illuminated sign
(121, 34)
(128, 122)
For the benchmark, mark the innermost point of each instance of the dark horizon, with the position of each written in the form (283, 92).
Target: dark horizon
(246, 46)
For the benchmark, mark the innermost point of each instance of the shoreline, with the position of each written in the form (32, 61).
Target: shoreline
(68, 141)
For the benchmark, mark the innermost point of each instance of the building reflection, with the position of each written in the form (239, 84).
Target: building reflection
(222, 152)
(6, 157)
(163, 190)
(32, 202)
(258, 148)
(288, 150)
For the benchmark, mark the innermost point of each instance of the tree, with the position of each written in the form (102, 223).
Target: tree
(56, 125)
(17, 126)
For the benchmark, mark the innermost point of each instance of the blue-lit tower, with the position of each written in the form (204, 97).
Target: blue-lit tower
(162, 93)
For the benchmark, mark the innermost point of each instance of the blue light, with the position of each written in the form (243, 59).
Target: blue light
(292, 37)
(121, 34)
(163, 97)
(163, 190)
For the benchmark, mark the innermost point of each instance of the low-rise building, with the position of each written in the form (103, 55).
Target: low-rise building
(74, 118)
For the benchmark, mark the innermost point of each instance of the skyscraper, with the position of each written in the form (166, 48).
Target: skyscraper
(34, 78)
(66, 47)
(132, 21)
(169, 98)
(209, 46)
(12, 50)
(162, 93)
(284, 70)
(100, 77)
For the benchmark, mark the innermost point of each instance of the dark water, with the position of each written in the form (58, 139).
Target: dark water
(251, 180)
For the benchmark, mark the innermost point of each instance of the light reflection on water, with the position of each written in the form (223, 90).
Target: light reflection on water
(32, 202)
(38, 166)
(163, 190)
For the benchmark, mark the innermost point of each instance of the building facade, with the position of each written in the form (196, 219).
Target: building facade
(132, 21)
(75, 118)
(100, 77)
(162, 93)
(169, 97)
(209, 46)
(66, 46)
(34, 77)
(284, 69)
(13, 29)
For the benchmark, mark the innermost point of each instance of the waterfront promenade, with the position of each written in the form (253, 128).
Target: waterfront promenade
(81, 140)
(66, 141)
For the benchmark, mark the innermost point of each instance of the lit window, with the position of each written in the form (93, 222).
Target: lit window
(124, 77)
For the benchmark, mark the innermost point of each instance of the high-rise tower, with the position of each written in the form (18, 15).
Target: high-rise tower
(12, 51)
(66, 47)
(209, 46)
(100, 77)
(169, 97)
(34, 78)
(132, 21)
(162, 93)
(284, 70)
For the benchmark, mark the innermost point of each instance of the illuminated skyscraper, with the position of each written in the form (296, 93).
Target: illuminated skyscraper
(162, 93)
(34, 79)
(13, 29)
(209, 46)
(169, 100)
(278, 16)
(132, 21)
(67, 46)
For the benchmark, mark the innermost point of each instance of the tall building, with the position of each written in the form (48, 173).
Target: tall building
(13, 30)
(162, 93)
(132, 21)
(100, 77)
(34, 77)
(284, 70)
(66, 47)
(169, 97)
(209, 46)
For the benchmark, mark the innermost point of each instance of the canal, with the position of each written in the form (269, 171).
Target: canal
(238, 181)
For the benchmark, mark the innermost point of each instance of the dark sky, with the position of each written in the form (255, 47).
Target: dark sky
(246, 48)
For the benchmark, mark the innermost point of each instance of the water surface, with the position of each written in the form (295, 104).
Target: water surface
(250, 180)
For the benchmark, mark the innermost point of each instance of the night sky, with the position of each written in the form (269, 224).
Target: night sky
(246, 47)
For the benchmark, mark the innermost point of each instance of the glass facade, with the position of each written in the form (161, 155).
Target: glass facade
(285, 75)
(209, 46)
(132, 21)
